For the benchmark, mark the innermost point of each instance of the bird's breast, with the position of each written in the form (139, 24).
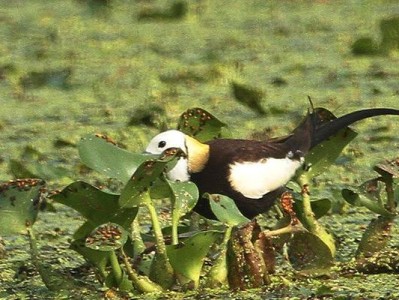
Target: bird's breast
(257, 178)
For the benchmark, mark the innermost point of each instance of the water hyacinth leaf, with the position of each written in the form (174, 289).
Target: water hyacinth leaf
(323, 155)
(320, 207)
(226, 210)
(184, 196)
(19, 204)
(376, 236)
(102, 155)
(359, 199)
(107, 237)
(390, 34)
(199, 123)
(98, 258)
(388, 168)
(307, 251)
(136, 191)
(187, 258)
(95, 205)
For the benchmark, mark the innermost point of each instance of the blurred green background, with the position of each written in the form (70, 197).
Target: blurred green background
(128, 69)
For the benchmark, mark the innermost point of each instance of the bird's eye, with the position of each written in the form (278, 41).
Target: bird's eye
(161, 144)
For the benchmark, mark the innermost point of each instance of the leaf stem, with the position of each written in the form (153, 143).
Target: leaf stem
(116, 268)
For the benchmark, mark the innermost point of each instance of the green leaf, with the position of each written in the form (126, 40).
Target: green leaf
(95, 205)
(307, 251)
(136, 191)
(376, 236)
(184, 196)
(320, 158)
(187, 258)
(320, 207)
(107, 237)
(359, 199)
(102, 155)
(226, 210)
(19, 204)
(199, 123)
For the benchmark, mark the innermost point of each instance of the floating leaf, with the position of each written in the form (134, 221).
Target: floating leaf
(107, 237)
(151, 116)
(388, 168)
(390, 33)
(19, 204)
(307, 251)
(199, 123)
(178, 10)
(249, 96)
(226, 210)
(95, 205)
(54, 78)
(187, 258)
(136, 190)
(102, 155)
(365, 46)
(376, 236)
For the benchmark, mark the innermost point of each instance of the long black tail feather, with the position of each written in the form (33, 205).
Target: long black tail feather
(325, 130)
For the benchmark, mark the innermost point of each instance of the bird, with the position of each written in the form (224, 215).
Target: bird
(251, 172)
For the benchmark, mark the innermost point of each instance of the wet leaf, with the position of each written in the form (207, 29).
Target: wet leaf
(19, 205)
(107, 237)
(249, 96)
(376, 236)
(226, 210)
(307, 251)
(102, 155)
(187, 258)
(199, 123)
(95, 205)
(136, 191)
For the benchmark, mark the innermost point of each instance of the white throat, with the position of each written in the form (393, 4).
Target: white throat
(179, 171)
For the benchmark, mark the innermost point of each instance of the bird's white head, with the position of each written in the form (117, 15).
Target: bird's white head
(197, 153)
(171, 139)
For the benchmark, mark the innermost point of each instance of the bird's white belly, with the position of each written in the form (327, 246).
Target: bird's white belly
(255, 179)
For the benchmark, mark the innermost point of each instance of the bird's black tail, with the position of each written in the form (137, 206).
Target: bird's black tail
(322, 130)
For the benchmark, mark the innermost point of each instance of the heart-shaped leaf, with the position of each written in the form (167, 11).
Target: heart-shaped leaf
(184, 196)
(187, 258)
(19, 204)
(95, 205)
(137, 188)
(107, 237)
(307, 251)
(102, 155)
(226, 210)
(199, 123)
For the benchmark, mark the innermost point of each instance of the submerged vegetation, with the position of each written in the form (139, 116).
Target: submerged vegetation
(128, 69)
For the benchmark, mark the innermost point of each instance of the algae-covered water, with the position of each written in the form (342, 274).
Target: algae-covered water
(129, 68)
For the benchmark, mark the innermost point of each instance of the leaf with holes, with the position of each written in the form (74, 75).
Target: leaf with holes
(136, 191)
(226, 210)
(102, 155)
(95, 205)
(187, 258)
(19, 204)
(202, 125)
(107, 237)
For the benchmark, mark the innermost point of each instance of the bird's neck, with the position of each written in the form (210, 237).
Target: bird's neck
(198, 154)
